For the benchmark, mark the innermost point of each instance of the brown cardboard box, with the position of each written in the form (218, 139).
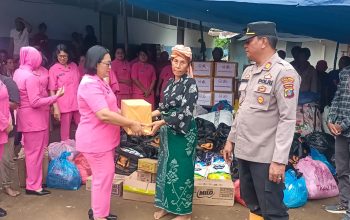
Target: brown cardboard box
(205, 69)
(117, 188)
(138, 110)
(205, 98)
(218, 96)
(146, 176)
(205, 84)
(226, 69)
(223, 84)
(213, 192)
(136, 190)
(148, 165)
(22, 171)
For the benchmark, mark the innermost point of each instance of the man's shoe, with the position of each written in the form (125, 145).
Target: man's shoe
(336, 209)
(43, 192)
(3, 213)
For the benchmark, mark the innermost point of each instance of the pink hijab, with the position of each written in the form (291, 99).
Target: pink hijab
(29, 57)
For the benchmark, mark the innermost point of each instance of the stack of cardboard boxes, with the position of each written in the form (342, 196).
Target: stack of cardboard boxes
(215, 81)
(117, 188)
(141, 185)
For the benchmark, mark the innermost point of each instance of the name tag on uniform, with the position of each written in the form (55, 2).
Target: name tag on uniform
(265, 81)
(61, 74)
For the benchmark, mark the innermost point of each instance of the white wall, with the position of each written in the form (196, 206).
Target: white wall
(61, 20)
(192, 37)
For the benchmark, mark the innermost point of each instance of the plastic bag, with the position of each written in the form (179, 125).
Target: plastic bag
(295, 193)
(319, 180)
(63, 174)
(200, 170)
(323, 142)
(222, 105)
(219, 170)
(238, 193)
(57, 148)
(316, 155)
(83, 167)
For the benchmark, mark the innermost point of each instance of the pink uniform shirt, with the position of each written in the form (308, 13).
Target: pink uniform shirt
(165, 75)
(145, 73)
(122, 71)
(33, 112)
(113, 82)
(69, 77)
(4, 113)
(94, 135)
(44, 80)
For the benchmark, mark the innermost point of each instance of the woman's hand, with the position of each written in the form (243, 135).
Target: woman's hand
(9, 127)
(60, 92)
(57, 113)
(156, 126)
(136, 128)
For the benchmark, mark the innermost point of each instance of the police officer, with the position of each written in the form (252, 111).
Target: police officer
(263, 129)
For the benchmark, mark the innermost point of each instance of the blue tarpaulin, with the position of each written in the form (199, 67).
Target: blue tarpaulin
(324, 19)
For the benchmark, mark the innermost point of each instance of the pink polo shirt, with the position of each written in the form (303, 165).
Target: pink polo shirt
(4, 113)
(69, 77)
(122, 71)
(44, 80)
(165, 75)
(145, 73)
(94, 135)
(113, 82)
(33, 112)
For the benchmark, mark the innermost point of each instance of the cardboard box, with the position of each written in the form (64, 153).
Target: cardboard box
(226, 69)
(22, 170)
(138, 110)
(205, 98)
(213, 192)
(223, 84)
(117, 188)
(218, 96)
(203, 69)
(136, 190)
(204, 84)
(148, 165)
(146, 176)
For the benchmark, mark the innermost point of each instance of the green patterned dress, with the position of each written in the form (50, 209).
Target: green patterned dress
(178, 140)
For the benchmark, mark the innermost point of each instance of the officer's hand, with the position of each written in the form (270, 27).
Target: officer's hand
(227, 152)
(277, 172)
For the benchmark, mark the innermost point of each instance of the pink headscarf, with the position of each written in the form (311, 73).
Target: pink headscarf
(30, 58)
(184, 52)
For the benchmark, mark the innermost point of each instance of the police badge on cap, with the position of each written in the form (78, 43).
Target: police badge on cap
(259, 28)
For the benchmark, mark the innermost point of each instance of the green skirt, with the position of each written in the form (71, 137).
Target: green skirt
(175, 177)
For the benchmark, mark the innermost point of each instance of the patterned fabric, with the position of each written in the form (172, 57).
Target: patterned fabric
(308, 119)
(178, 103)
(178, 141)
(340, 110)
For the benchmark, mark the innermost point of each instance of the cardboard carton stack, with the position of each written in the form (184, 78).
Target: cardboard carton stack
(117, 188)
(215, 81)
(140, 186)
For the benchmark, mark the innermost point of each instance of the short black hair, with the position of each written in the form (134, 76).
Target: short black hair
(42, 25)
(306, 51)
(94, 56)
(220, 50)
(295, 50)
(282, 54)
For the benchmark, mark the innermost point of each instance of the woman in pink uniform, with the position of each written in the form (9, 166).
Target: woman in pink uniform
(122, 70)
(33, 116)
(5, 124)
(143, 76)
(164, 77)
(98, 132)
(65, 73)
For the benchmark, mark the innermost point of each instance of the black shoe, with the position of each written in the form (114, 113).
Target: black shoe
(110, 217)
(43, 192)
(3, 213)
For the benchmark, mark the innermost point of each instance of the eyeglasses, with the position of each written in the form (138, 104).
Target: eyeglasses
(107, 63)
(62, 56)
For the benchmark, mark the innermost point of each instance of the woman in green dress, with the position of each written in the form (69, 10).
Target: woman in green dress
(178, 135)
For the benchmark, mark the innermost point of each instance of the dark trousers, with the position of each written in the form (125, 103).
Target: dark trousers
(263, 197)
(342, 162)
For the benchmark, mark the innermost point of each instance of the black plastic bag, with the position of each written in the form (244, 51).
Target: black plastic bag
(127, 159)
(323, 142)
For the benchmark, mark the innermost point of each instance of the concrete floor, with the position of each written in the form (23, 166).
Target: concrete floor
(73, 205)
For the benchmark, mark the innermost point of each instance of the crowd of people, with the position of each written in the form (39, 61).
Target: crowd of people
(81, 83)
